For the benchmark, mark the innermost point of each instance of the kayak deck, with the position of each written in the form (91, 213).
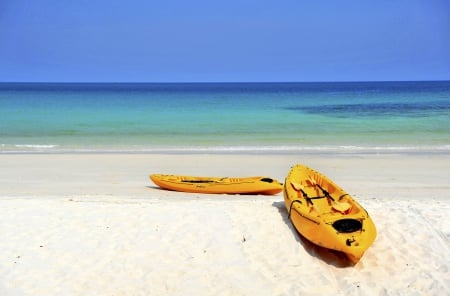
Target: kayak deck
(325, 214)
(218, 185)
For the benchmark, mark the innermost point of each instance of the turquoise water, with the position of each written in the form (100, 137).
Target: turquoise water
(411, 116)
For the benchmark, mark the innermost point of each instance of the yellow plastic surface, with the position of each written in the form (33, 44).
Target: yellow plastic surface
(314, 219)
(217, 185)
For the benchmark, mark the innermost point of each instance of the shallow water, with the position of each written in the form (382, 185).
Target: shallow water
(365, 116)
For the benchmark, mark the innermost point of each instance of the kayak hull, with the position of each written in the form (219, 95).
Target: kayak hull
(326, 215)
(217, 185)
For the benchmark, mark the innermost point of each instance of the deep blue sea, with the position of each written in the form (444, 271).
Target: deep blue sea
(225, 117)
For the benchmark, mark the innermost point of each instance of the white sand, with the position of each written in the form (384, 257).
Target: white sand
(95, 225)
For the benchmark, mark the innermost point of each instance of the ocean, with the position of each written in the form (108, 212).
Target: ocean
(225, 117)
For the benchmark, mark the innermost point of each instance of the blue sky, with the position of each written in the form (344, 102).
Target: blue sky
(224, 41)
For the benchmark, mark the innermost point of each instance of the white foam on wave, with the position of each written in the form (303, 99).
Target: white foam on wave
(50, 148)
(35, 146)
(27, 148)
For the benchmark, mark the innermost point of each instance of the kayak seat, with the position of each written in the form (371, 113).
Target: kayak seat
(341, 207)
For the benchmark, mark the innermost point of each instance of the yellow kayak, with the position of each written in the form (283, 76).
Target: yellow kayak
(248, 185)
(326, 215)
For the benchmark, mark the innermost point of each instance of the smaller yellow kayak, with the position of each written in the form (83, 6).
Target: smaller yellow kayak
(216, 185)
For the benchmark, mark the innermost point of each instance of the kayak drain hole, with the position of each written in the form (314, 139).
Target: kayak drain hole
(347, 225)
(268, 180)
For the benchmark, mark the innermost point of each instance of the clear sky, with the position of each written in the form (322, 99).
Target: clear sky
(224, 41)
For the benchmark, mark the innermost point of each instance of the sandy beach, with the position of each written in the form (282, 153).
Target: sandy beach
(94, 224)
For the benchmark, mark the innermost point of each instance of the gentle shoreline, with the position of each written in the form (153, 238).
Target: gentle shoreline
(123, 174)
(256, 149)
(94, 224)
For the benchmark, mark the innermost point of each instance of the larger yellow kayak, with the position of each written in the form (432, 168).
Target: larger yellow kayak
(326, 215)
(225, 185)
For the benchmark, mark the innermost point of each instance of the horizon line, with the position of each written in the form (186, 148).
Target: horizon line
(213, 82)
